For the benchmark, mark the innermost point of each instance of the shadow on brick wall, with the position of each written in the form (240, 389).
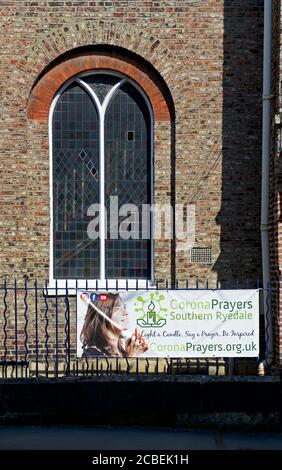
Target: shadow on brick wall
(239, 215)
(275, 177)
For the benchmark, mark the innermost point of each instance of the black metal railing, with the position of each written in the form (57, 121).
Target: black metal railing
(38, 335)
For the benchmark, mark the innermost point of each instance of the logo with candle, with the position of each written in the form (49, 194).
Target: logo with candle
(151, 308)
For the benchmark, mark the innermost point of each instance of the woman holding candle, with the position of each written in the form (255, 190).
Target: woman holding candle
(102, 333)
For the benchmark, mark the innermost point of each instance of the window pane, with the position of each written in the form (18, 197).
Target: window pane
(76, 184)
(127, 175)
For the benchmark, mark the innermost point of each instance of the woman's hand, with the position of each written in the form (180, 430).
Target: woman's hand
(136, 345)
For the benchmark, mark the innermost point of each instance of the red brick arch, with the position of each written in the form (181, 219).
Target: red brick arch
(45, 89)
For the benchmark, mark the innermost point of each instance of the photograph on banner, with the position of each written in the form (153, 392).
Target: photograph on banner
(168, 323)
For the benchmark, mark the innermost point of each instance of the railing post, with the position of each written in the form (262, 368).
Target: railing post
(16, 326)
(267, 326)
(57, 330)
(5, 326)
(67, 330)
(45, 294)
(36, 326)
(26, 327)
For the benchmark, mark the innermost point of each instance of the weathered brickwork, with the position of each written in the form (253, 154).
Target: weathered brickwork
(209, 53)
(276, 186)
(42, 94)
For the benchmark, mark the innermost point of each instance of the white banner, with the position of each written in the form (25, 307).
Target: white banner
(172, 323)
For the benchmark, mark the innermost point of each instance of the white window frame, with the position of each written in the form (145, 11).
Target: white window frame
(59, 286)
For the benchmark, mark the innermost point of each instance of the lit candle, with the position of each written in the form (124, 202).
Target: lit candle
(151, 314)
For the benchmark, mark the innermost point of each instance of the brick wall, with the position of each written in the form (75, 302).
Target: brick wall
(209, 53)
(276, 185)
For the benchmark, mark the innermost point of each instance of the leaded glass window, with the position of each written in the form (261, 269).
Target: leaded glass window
(75, 184)
(101, 131)
(127, 166)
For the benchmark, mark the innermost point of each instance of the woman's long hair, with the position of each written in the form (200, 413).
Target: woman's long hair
(96, 327)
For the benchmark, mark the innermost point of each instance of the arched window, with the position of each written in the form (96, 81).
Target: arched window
(101, 128)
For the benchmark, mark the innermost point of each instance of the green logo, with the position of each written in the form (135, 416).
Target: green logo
(151, 310)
